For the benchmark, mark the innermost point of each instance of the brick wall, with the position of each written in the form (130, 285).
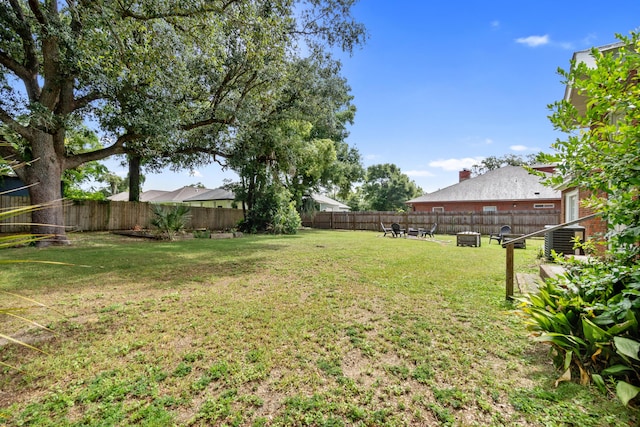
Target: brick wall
(594, 227)
(502, 206)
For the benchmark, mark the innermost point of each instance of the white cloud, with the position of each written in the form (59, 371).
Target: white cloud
(455, 164)
(488, 141)
(495, 24)
(534, 41)
(195, 173)
(523, 148)
(419, 173)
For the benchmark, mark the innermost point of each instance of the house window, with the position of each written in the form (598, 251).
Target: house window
(571, 206)
(544, 205)
(489, 209)
(437, 209)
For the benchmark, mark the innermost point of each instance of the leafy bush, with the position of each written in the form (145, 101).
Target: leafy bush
(589, 316)
(201, 234)
(272, 212)
(287, 220)
(170, 221)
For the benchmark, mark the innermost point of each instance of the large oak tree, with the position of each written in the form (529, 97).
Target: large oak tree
(162, 81)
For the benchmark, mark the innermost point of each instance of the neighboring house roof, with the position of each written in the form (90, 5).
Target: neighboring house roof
(12, 186)
(159, 196)
(505, 183)
(192, 194)
(216, 194)
(179, 195)
(145, 196)
(334, 204)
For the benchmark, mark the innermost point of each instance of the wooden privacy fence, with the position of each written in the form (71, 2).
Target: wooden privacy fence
(92, 215)
(521, 222)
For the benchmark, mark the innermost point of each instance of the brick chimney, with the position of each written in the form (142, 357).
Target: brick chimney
(464, 175)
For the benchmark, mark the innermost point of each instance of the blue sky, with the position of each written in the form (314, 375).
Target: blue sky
(441, 85)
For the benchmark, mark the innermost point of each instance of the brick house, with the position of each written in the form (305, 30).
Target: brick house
(509, 188)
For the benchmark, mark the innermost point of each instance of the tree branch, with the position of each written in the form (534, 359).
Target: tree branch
(34, 5)
(183, 13)
(13, 65)
(117, 147)
(7, 152)
(200, 150)
(23, 131)
(206, 122)
(27, 71)
(85, 100)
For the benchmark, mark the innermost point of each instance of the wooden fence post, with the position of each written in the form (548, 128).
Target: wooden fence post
(509, 278)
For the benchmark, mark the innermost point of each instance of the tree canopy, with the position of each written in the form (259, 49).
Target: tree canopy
(495, 162)
(386, 188)
(295, 144)
(166, 82)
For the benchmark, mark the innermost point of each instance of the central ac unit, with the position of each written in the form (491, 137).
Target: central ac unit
(562, 240)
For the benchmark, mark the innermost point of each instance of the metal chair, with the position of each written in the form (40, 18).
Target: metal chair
(429, 232)
(397, 231)
(499, 236)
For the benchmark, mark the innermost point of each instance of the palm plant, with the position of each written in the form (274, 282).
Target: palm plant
(170, 221)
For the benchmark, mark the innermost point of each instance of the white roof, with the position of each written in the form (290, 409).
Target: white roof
(328, 201)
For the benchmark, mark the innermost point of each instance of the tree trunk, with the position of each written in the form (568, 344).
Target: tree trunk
(44, 175)
(134, 178)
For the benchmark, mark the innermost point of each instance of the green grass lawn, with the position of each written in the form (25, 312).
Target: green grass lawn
(324, 328)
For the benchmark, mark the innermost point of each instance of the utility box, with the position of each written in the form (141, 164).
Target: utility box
(562, 240)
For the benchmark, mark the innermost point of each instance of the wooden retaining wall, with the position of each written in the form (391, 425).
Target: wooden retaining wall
(521, 222)
(92, 215)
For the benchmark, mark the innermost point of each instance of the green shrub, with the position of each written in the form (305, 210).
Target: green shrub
(272, 212)
(589, 316)
(170, 221)
(201, 234)
(286, 220)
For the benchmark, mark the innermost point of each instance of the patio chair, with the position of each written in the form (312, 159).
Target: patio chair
(386, 230)
(499, 236)
(397, 231)
(430, 232)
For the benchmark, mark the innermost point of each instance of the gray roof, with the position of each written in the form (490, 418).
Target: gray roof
(158, 196)
(145, 196)
(506, 183)
(217, 194)
(192, 194)
(178, 195)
